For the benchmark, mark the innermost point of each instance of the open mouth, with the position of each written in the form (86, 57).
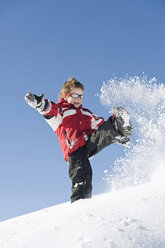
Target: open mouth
(76, 104)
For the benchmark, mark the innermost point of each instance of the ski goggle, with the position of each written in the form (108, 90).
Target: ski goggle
(76, 96)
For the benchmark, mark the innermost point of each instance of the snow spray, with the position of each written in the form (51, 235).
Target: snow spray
(145, 101)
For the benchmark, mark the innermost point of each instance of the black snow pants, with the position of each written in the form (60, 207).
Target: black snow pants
(80, 170)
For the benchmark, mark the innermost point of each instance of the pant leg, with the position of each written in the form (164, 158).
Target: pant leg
(105, 135)
(80, 173)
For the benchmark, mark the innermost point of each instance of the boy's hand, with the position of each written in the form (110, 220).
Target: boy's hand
(33, 100)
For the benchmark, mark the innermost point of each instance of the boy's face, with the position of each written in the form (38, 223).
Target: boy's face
(75, 101)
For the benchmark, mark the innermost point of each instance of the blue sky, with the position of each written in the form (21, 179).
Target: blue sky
(42, 44)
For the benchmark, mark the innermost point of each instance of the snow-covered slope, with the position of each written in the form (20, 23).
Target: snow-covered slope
(129, 218)
(132, 215)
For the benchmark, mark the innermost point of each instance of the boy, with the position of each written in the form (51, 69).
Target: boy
(81, 133)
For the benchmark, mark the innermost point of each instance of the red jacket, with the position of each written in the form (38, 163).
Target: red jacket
(72, 125)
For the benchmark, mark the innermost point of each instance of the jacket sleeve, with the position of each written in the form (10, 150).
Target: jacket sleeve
(48, 109)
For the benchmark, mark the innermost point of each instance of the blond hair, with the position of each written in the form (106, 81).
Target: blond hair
(69, 85)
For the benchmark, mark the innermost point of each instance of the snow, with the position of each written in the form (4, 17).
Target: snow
(132, 213)
(133, 217)
(145, 101)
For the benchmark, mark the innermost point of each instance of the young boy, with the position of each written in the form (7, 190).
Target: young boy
(81, 133)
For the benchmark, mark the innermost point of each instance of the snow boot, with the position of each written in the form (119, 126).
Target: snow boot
(122, 121)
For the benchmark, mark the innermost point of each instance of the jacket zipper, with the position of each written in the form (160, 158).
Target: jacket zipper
(67, 139)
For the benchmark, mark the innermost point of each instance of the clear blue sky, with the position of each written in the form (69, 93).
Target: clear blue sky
(42, 44)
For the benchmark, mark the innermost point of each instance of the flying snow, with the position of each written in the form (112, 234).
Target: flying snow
(145, 101)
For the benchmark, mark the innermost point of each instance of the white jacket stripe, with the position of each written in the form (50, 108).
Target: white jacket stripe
(54, 122)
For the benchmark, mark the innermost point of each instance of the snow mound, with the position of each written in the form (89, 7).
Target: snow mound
(133, 217)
